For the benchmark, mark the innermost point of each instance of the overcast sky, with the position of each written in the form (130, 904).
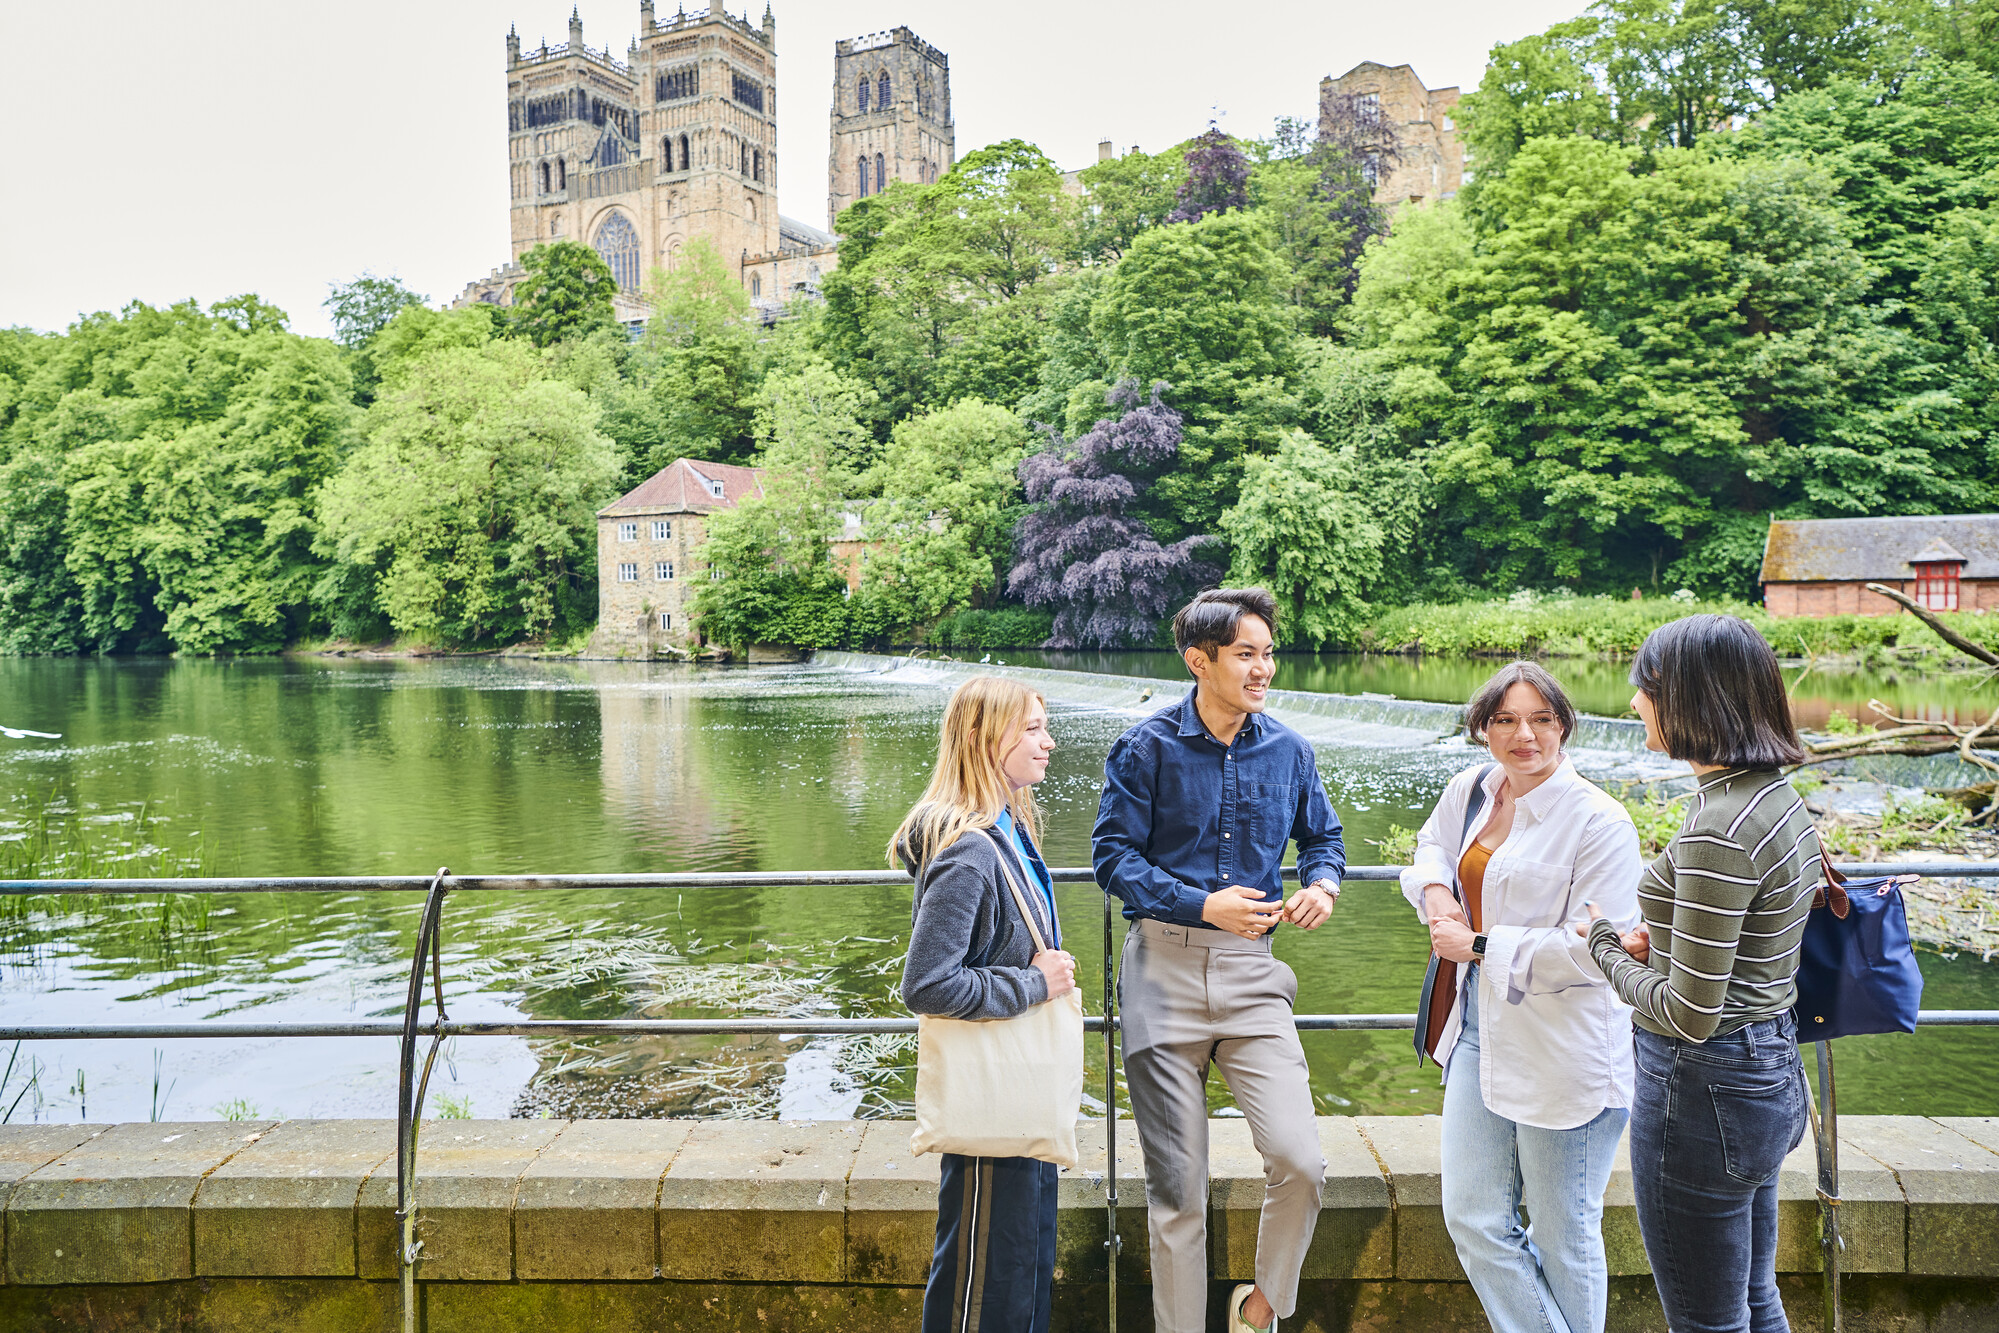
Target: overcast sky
(170, 150)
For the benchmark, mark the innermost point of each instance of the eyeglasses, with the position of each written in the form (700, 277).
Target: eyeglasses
(1511, 722)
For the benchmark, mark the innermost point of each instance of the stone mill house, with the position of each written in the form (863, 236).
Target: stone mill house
(646, 541)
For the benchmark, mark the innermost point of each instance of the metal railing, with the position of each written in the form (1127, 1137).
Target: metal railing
(427, 962)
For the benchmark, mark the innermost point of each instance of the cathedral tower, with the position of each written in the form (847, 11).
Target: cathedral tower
(635, 157)
(891, 116)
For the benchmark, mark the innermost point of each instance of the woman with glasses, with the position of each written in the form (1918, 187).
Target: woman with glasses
(1533, 1042)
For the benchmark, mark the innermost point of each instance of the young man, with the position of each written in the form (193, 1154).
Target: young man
(1199, 801)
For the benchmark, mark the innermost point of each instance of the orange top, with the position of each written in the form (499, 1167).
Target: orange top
(1471, 878)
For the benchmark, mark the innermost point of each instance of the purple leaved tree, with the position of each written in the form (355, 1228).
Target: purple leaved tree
(1082, 552)
(1217, 178)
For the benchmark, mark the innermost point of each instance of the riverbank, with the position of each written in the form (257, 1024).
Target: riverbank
(794, 1227)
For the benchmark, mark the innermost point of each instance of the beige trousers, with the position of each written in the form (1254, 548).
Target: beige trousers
(1190, 997)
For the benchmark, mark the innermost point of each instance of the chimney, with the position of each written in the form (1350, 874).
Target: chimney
(1104, 150)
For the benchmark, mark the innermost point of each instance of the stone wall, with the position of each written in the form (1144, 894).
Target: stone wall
(612, 1226)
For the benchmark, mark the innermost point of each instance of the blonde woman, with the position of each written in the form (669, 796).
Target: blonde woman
(970, 956)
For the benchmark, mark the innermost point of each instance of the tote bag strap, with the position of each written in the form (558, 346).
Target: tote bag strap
(1019, 899)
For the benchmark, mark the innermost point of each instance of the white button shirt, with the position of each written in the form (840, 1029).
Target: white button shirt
(1554, 1039)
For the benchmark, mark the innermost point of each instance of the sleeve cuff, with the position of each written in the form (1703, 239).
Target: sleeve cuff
(1501, 944)
(1603, 941)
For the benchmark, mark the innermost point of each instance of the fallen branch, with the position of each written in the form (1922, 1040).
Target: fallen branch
(1943, 631)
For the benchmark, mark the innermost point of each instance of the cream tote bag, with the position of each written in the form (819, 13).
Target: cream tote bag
(1002, 1087)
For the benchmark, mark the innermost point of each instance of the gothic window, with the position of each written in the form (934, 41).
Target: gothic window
(864, 175)
(618, 242)
(881, 93)
(881, 173)
(756, 284)
(561, 173)
(756, 164)
(747, 91)
(544, 178)
(555, 226)
(864, 100)
(743, 150)
(686, 158)
(677, 83)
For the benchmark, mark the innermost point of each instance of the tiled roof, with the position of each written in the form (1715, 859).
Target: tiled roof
(1854, 550)
(687, 486)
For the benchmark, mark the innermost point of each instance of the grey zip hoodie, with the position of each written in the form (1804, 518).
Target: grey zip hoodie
(970, 955)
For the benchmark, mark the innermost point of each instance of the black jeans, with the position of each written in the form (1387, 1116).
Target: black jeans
(994, 1266)
(1711, 1123)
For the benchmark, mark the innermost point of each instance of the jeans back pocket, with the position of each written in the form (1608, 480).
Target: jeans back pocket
(1760, 1120)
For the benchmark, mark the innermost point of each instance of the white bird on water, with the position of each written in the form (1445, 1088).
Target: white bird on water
(22, 733)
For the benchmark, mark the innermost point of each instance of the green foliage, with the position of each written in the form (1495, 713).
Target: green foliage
(692, 387)
(774, 577)
(1527, 623)
(941, 528)
(1200, 306)
(1302, 528)
(981, 630)
(566, 294)
(1127, 195)
(1839, 723)
(363, 307)
(467, 515)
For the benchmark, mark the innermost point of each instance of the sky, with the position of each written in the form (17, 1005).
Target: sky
(209, 149)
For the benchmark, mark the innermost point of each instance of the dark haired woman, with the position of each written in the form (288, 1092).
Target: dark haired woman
(1710, 975)
(1535, 1046)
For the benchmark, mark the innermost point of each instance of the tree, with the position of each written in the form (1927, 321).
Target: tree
(917, 262)
(1201, 307)
(467, 516)
(693, 380)
(361, 308)
(1318, 203)
(1125, 196)
(1083, 551)
(1303, 530)
(939, 534)
(1217, 177)
(772, 554)
(1620, 361)
(566, 293)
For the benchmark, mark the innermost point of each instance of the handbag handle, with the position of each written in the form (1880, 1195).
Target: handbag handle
(1019, 900)
(1832, 893)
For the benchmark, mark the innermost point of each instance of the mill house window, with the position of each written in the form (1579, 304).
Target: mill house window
(661, 530)
(628, 532)
(628, 572)
(1936, 583)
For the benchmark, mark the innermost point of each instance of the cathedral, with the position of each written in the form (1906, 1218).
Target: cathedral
(678, 140)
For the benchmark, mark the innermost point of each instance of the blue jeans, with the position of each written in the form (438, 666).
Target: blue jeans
(1549, 1277)
(1711, 1123)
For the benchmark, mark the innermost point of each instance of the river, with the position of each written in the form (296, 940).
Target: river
(344, 766)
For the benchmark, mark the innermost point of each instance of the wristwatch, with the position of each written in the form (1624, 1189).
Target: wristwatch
(1478, 946)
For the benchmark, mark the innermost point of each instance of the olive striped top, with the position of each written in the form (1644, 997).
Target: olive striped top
(1726, 903)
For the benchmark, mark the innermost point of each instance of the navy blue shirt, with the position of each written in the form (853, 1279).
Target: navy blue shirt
(1184, 815)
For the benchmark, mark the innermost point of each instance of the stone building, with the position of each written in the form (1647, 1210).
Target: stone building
(891, 116)
(636, 157)
(1430, 159)
(1821, 566)
(646, 541)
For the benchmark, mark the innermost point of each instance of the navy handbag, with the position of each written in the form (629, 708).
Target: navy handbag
(1857, 969)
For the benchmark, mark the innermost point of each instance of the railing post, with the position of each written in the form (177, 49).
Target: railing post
(409, 1100)
(1112, 1242)
(1825, 1137)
